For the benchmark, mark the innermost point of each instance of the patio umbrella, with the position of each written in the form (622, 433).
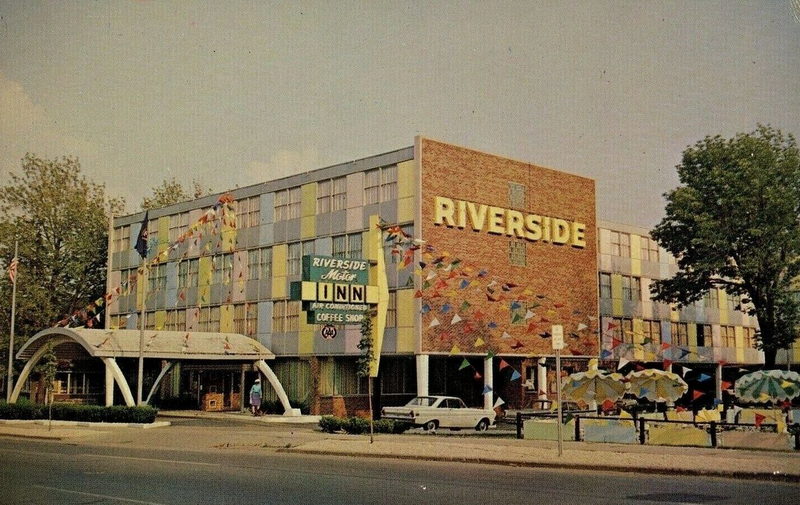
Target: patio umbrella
(766, 385)
(657, 385)
(593, 385)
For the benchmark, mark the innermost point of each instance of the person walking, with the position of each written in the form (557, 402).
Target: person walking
(255, 397)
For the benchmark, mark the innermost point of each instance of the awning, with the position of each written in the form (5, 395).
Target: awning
(181, 345)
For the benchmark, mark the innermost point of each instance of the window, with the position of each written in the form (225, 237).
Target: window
(279, 316)
(388, 247)
(176, 320)
(391, 310)
(213, 319)
(293, 258)
(331, 195)
(251, 318)
(157, 277)
(605, 285)
(122, 239)
(248, 212)
(152, 234)
(239, 322)
(347, 246)
(223, 268)
(259, 264)
(285, 316)
(649, 249)
(203, 318)
(620, 244)
(398, 376)
(150, 321)
(733, 301)
(622, 330)
(750, 338)
(380, 185)
(287, 204)
(680, 334)
(728, 336)
(174, 225)
(704, 337)
(712, 298)
(652, 332)
(516, 253)
(516, 195)
(345, 379)
(631, 288)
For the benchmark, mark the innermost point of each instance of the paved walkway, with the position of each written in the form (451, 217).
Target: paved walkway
(241, 432)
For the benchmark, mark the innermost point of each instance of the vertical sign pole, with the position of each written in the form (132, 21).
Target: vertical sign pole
(558, 344)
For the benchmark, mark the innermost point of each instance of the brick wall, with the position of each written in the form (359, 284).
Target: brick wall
(558, 283)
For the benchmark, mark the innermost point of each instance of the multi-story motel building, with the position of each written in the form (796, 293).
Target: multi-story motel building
(484, 255)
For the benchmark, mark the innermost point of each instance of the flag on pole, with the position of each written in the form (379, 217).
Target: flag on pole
(12, 269)
(141, 240)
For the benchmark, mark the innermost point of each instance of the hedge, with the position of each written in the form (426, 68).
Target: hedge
(77, 412)
(359, 425)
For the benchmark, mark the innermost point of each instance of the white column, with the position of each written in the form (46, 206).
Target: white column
(488, 380)
(541, 379)
(109, 386)
(422, 374)
(718, 383)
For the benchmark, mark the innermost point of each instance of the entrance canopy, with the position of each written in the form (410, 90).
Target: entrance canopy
(170, 345)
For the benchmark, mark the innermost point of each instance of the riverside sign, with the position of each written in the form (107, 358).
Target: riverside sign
(334, 290)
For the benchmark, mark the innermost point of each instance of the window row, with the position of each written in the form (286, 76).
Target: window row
(622, 330)
(620, 245)
(631, 287)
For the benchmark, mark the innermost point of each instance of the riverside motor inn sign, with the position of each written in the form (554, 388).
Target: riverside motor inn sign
(334, 290)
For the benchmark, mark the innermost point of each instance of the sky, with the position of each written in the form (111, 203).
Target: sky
(237, 93)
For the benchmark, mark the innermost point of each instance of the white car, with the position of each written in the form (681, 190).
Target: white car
(433, 412)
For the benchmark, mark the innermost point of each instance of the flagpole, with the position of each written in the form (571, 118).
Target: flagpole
(141, 334)
(10, 383)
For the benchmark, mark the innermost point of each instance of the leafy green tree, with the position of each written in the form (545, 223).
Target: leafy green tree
(61, 222)
(170, 192)
(734, 223)
(365, 345)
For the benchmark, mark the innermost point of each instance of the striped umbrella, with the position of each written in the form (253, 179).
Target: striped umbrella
(766, 385)
(593, 385)
(657, 385)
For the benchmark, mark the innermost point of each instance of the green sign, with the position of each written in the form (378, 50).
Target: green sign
(334, 290)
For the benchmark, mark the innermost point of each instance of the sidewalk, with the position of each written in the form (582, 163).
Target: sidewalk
(238, 431)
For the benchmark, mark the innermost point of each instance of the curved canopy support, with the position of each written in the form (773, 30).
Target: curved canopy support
(276, 385)
(119, 378)
(161, 375)
(32, 362)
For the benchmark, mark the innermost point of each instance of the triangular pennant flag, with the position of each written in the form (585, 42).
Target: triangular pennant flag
(487, 389)
(515, 375)
(760, 419)
(665, 346)
(455, 349)
(517, 344)
(686, 370)
(464, 364)
(581, 326)
(434, 322)
(445, 308)
(703, 377)
(492, 324)
(490, 354)
(697, 394)
(606, 354)
(667, 364)
(479, 342)
(505, 335)
(529, 315)
(464, 306)
(615, 342)
(425, 308)
(638, 367)
(503, 363)
(456, 319)
(622, 363)
(498, 402)
(418, 294)
(725, 385)
(607, 405)
(477, 376)
(684, 353)
(517, 318)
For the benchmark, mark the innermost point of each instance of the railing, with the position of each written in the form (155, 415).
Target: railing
(640, 425)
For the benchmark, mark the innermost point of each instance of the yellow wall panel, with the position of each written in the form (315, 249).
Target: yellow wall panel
(306, 343)
(405, 308)
(616, 295)
(139, 288)
(638, 338)
(204, 277)
(308, 202)
(279, 256)
(161, 319)
(405, 339)
(738, 332)
(308, 226)
(405, 210)
(406, 179)
(163, 235)
(692, 331)
(226, 318)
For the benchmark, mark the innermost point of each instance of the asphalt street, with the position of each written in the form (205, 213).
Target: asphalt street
(44, 472)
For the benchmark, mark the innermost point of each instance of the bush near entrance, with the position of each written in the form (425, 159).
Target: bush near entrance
(75, 412)
(359, 425)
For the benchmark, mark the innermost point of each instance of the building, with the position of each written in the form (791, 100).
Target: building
(485, 254)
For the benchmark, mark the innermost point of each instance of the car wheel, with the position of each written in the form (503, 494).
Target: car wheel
(482, 425)
(431, 425)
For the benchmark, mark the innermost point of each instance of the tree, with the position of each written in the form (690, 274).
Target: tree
(47, 367)
(170, 192)
(364, 363)
(61, 222)
(734, 223)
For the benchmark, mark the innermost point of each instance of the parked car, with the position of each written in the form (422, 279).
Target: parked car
(433, 412)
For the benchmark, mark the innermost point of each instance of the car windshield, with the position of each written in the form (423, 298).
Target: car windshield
(422, 401)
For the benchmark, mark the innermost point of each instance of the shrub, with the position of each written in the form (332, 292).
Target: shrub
(330, 424)
(76, 412)
(356, 425)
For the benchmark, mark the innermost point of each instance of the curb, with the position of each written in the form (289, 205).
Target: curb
(84, 424)
(763, 476)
